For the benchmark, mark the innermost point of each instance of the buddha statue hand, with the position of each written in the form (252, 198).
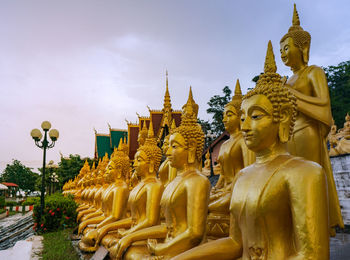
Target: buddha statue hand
(119, 248)
(151, 245)
(90, 238)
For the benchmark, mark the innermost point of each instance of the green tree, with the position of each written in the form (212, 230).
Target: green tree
(21, 175)
(339, 89)
(216, 107)
(70, 167)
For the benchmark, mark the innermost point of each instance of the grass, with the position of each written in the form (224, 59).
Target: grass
(57, 245)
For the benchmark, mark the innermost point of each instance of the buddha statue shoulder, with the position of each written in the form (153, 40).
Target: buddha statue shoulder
(314, 120)
(184, 201)
(279, 206)
(233, 156)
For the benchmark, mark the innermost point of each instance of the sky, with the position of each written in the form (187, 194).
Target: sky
(83, 64)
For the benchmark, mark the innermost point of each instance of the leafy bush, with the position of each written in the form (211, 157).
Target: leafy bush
(2, 201)
(59, 213)
(31, 201)
(2, 211)
(10, 203)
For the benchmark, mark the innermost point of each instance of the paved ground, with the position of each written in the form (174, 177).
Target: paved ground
(340, 247)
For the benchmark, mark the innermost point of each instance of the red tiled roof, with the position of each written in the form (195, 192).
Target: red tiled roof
(10, 184)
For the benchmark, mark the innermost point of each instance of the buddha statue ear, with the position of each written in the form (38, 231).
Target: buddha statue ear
(305, 53)
(151, 166)
(192, 145)
(285, 119)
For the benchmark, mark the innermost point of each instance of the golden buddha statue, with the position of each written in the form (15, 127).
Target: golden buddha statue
(279, 206)
(114, 198)
(144, 199)
(184, 201)
(207, 169)
(233, 156)
(166, 172)
(343, 146)
(309, 85)
(333, 140)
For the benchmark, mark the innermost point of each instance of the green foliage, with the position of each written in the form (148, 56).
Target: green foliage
(58, 246)
(2, 201)
(11, 203)
(31, 201)
(339, 89)
(216, 107)
(70, 167)
(2, 210)
(59, 213)
(21, 175)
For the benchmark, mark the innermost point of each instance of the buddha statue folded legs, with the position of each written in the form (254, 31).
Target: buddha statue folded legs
(279, 206)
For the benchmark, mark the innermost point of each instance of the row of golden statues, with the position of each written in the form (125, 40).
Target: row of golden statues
(339, 141)
(275, 199)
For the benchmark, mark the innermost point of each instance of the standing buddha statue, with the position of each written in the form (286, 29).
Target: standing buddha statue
(279, 206)
(184, 201)
(314, 119)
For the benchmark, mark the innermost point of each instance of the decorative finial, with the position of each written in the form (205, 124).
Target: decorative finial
(149, 109)
(173, 125)
(95, 131)
(270, 64)
(296, 20)
(138, 115)
(120, 144)
(238, 91)
(150, 130)
(190, 109)
(109, 126)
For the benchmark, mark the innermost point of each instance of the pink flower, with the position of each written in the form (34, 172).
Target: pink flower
(67, 217)
(53, 213)
(41, 225)
(58, 209)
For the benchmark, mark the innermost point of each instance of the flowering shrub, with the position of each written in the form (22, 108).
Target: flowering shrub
(59, 213)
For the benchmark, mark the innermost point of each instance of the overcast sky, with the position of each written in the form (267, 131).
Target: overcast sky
(83, 64)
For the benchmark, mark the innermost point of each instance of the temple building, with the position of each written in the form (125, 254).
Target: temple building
(161, 119)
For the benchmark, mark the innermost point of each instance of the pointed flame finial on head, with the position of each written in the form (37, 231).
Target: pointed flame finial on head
(295, 21)
(150, 130)
(190, 109)
(173, 124)
(270, 63)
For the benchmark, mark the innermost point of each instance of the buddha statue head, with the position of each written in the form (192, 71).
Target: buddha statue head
(148, 156)
(142, 134)
(268, 110)
(118, 166)
(232, 111)
(187, 140)
(295, 45)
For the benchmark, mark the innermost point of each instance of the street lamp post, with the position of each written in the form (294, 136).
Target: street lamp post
(209, 137)
(44, 144)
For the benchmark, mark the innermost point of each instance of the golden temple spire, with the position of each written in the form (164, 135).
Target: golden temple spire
(120, 144)
(167, 100)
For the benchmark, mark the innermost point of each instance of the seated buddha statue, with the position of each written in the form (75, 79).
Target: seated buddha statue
(114, 198)
(90, 194)
(144, 199)
(166, 172)
(333, 140)
(279, 206)
(233, 156)
(343, 146)
(314, 120)
(95, 199)
(207, 168)
(184, 201)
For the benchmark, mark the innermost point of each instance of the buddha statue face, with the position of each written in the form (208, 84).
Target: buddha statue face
(178, 152)
(230, 118)
(259, 129)
(141, 163)
(165, 146)
(291, 55)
